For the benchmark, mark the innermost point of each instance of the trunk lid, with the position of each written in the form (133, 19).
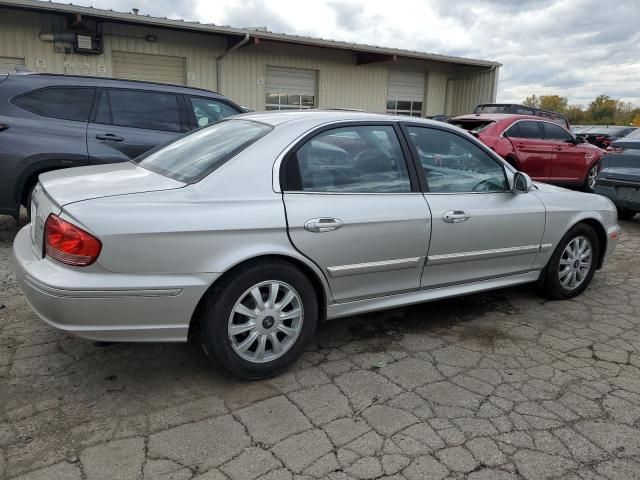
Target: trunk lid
(85, 183)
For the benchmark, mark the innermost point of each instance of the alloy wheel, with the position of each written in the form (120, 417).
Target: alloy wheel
(591, 179)
(575, 263)
(265, 321)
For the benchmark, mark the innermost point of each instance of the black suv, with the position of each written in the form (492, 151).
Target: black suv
(522, 110)
(51, 121)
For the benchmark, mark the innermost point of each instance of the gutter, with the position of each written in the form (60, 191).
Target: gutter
(220, 58)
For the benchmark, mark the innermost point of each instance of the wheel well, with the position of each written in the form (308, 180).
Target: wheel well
(602, 237)
(194, 325)
(29, 183)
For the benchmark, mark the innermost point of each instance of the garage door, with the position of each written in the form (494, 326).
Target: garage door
(9, 64)
(405, 92)
(150, 68)
(290, 88)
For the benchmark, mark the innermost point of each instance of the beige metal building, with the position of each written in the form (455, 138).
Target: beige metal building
(254, 67)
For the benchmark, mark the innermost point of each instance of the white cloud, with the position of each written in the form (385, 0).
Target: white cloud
(575, 48)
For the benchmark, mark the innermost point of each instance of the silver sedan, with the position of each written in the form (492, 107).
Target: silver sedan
(247, 233)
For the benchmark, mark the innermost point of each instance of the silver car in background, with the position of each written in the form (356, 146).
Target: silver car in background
(247, 233)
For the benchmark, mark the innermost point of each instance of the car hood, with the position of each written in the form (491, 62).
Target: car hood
(84, 183)
(545, 187)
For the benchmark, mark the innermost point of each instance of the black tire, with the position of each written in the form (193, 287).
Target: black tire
(551, 285)
(625, 213)
(220, 302)
(589, 181)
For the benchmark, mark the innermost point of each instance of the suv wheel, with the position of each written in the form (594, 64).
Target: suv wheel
(256, 324)
(572, 264)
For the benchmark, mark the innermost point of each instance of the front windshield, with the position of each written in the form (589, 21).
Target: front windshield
(195, 155)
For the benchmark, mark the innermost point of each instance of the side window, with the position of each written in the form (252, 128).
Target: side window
(358, 159)
(453, 164)
(67, 103)
(139, 109)
(555, 132)
(209, 110)
(513, 131)
(528, 129)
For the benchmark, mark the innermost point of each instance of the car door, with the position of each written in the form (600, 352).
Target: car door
(128, 122)
(569, 163)
(532, 150)
(357, 212)
(480, 228)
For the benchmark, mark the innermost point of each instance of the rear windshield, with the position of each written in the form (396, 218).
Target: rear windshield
(472, 126)
(195, 155)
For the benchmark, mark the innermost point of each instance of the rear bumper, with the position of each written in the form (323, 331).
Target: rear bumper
(610, 191)
(105, 306)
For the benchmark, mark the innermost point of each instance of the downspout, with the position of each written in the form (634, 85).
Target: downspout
(220, 57)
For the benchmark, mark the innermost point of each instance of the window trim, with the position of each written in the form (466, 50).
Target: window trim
(189, 108)
(182, 113)
(544, 131)
(414, 178)
(539, 121)
(422, 177)
(57, 87)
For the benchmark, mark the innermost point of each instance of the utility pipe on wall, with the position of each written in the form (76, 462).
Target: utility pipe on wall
(220, 57)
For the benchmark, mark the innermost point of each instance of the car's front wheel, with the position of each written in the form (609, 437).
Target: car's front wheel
(590, 181)
(572, 264)
(255, 324)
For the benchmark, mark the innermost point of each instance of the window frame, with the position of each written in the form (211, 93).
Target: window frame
(505, 133)
(284, 176)
(185, 125)
(544, 131)
(58, 87)
(422, 177)
(193, 123)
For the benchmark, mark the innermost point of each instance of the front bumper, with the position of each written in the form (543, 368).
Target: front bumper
(104, 306)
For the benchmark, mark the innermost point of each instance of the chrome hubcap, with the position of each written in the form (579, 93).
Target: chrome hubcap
(593, 174)
(266, 321)
(575, 263)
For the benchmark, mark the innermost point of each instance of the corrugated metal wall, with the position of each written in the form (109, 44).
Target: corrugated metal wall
(341, 83)
(463, 94)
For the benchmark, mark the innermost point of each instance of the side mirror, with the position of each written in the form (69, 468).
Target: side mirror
(522, 183)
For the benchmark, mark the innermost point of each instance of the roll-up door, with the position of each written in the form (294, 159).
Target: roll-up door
(290, 88)
(405, 92)
(11, 64)
(150, 68)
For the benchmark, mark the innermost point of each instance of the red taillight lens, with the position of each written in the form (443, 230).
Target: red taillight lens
(69, 244)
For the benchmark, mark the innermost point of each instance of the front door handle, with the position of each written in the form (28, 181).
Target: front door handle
(109, 136)
(455, 216)
(321, 225)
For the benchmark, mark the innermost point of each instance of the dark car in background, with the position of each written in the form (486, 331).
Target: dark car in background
(541, 148)
(619, 177)
(48, 122)
(603, 135)
(518, 109)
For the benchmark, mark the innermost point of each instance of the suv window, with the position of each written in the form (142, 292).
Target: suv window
(358, 159)
(139, 109)
(67, 103)
(555, 132)
(452, 164)
(525, 129)
(195, 155)
(209, 110)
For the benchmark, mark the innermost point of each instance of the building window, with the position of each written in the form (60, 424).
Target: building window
(287, 101)
(404, 107)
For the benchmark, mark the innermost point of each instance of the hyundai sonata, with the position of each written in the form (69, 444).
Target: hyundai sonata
(245, 234)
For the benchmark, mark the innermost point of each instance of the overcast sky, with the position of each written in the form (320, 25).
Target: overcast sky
(575, 48)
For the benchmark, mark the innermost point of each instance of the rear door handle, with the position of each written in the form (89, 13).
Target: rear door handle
(455, 216)
(324, 224)
(109, 136)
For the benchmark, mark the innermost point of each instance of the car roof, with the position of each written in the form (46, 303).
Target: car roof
(496, 117)
(319, 117)
(51, 79)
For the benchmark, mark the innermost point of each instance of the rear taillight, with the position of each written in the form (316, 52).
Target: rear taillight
(69, 244)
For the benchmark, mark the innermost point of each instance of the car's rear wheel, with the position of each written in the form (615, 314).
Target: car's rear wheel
(590, 181)
(625, 213)
(257, 323)
(572, 264)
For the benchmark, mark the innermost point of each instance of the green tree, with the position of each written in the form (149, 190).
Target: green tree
(531, 101)
(555, 103)
(604, 109)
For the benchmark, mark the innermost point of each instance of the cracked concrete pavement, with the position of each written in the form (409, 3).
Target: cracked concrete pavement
(501, 385)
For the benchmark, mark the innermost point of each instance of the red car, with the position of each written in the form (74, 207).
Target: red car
(544, 150)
